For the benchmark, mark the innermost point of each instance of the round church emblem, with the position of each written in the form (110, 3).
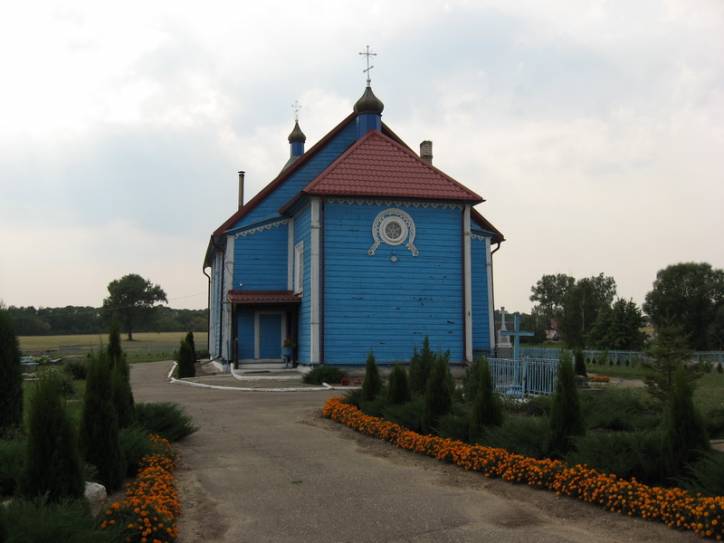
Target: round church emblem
(393, 227)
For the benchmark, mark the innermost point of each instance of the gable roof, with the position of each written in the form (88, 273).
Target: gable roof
(485, 224)
(378, 166)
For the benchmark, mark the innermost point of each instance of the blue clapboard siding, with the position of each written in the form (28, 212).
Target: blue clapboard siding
(260, 260)
(302, 228)
(371, 303)
(245, 332)
(302, 177)
(481, 311)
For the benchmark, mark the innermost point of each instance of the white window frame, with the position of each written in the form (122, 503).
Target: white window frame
(299, 267)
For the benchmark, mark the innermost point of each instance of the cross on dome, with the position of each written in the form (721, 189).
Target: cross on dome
(367, 53)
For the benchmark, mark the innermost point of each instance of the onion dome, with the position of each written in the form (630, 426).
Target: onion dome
(296, 135)
(369, 103)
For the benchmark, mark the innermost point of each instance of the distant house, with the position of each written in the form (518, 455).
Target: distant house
(358, 245)
(553, 331)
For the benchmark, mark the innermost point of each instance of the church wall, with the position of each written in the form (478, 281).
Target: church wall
(260, 259)
(302, 224)
(372, 303)
(481, 312)
(302, 177)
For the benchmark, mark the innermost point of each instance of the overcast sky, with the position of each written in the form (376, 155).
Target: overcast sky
(594, 130)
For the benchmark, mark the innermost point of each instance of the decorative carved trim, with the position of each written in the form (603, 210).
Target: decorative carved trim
(396, 203)
(382, 218)
(478, 237)
(261, 228)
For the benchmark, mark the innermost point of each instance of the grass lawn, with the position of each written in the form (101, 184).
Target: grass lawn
(145, 347)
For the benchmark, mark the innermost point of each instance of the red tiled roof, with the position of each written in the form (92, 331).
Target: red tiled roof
(263, 297)
(378, 166)
(485, 224)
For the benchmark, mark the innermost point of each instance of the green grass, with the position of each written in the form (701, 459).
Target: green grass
(145, 347)
(625, 372)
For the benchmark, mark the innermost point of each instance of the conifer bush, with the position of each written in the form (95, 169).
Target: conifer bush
(186, 362)
(52, 467)
(372, 384)
(12, 453)
(438, 396)
(11, 379)
(719, 368)
(192, 344)
(471, 380)
(420, 366)
(565, 418)
(165, 419)
(580, 363)
(684, 432)
(122, 394)
(115, 351)
(99, 425)
(486, 405)
(135, 444)
(324, 374)
(398, 389)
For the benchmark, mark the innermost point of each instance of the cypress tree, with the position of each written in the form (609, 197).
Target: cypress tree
(565, 418)
(122, 394)
(438, 398)
(52, 463)
(99, 425)
(580, 363)
(486, 406)
(115, 352)
(420, 367)
(192, 345)
(719, 368)
(684, 431)
(372, 384)
(471, 381)
(185, 359)
(11, 379)
(398, 390)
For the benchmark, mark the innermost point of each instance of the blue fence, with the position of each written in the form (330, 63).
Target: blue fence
(528, 376)
(617, 357)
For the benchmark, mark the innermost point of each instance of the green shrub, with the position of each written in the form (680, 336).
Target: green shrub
(122, 393)
(99, 425)
(324, 374)
(372, 384)
(11, 379)
(135, 444)
(36, 521)
(706, 474)
(12, 453)
(374, 408)
(407, 414)
(533, 406)
(186, 362)
(454, 425)
(565, 418)
(353, 397)
(438, 397)
(398, 390)
(580, 363)
(619, 410)
(77, 369)
(719, 368)
(471, 380)
(166, 419)
(715, 423)
(420, 367)
(627, 454)
(520, 434)
(52, 465)
(486, 407)
(685, 434)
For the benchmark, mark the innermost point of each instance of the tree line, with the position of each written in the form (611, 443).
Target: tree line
(687, 297)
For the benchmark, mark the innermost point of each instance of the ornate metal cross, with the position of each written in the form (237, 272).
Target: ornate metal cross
(367, 53)
(516, 334)
(296, 107)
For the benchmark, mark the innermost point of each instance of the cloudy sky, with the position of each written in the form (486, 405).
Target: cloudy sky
(595, 130)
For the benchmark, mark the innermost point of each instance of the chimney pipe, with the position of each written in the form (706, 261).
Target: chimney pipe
(426, 151)
(241, 189)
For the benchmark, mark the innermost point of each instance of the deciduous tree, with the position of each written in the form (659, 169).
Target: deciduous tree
(131, 299)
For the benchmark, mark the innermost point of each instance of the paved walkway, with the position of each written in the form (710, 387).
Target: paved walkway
(266, 467)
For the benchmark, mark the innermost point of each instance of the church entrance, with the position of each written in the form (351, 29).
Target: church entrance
(270, 330)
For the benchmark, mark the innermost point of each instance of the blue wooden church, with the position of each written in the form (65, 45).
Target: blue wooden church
(359, 244)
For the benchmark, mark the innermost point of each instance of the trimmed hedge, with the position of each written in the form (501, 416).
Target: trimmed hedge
(323, 374)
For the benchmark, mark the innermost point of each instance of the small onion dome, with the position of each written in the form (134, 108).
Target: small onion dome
(369, 103)
(296, 135)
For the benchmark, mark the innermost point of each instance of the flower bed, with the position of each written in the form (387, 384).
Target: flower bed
(149, 511)
(673, 506)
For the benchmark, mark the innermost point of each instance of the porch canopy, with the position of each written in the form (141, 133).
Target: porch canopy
(269, 297)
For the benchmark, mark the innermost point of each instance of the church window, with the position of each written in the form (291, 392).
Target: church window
(299, 267)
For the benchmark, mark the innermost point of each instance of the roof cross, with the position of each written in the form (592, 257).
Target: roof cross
(367, 53)
(296, 108)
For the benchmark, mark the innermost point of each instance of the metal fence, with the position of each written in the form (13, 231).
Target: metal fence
(617, 357)
(528, 376)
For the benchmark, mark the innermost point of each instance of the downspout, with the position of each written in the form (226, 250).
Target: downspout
(208, 312)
